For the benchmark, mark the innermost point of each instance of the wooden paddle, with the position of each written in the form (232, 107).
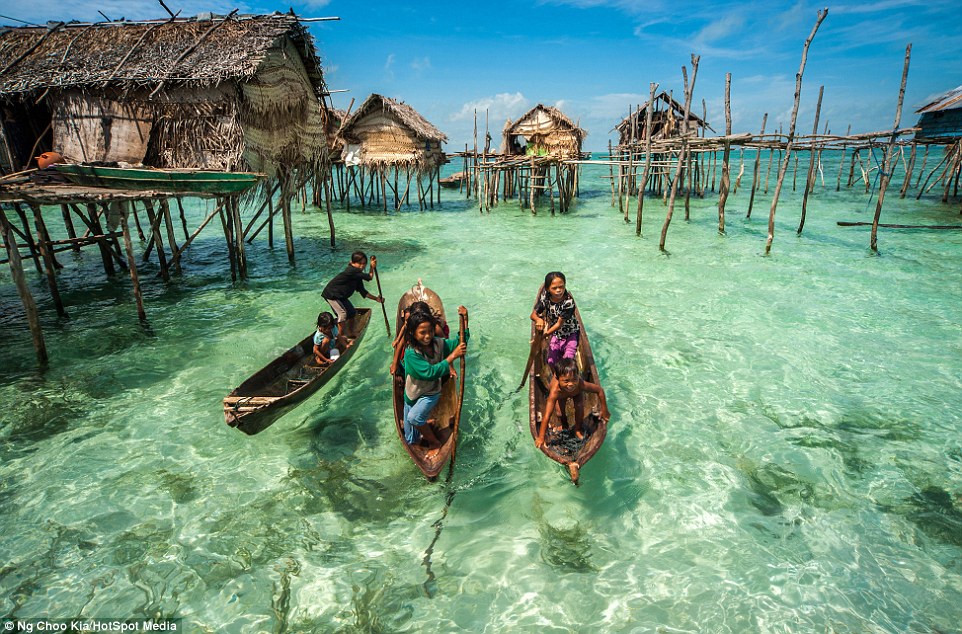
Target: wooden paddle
(457, 416)
(535, 347)
(383, 309)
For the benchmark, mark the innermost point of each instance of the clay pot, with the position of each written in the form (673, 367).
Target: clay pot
(48, 158)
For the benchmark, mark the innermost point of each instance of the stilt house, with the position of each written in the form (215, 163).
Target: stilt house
(542, 131)
(942, 118)
(212, 92)
(666, 121)
(385, 133)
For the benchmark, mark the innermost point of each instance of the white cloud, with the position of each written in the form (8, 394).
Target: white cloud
(421, 63)
(502, 106)
(389, 66)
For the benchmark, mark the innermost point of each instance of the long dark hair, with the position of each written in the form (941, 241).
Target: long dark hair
(552, 276)
(414, 320)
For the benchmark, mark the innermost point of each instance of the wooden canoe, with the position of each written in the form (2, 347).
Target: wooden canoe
(168, 180)
(453, 181)
(286, 382)
(563, 447)
(446, 410)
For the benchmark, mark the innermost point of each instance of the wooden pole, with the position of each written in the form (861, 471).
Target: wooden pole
(176, 257)
(841, 165)
(132, 264)
(48, 264)
(165, 210)
(97, 229)
(237, 233)
(330, 215)
(886, 176)
(682, 158)
(158, 241)
(811, 163)
(27, 236)
(652, 87)
(726, 176)
(20, 280)
(230, 245)
(758, 160)
(791, 132)
(68, 224)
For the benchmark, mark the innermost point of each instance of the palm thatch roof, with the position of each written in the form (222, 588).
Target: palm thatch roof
(665, 121)
(558, 121)
(202, 51)
(946, 101)
(546, 131)
(402, 112)
(384, 132)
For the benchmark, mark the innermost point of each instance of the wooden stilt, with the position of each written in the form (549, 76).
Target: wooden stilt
(811, 163)
(48, 263)
(165, 210)
(723, 189)
(175, 258)
(158, 240)
(238, 234)
(183, 217)
(682, 157)
(758, 159)
(68, 224)
(132, 262)
(652, 87)
(27, 236)
(95, 226)
(791, 132)
(230, 245)
(330, 216)
(886, 162)
(26, 298)
(288, 225)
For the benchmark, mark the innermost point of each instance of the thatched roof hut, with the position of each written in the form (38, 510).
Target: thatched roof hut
(213, 92)
(941, 118)
(544, 131)
(383, 132)
(666, 121)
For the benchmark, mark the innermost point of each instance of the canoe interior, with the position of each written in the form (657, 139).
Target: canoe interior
(285, 382)
(563, 446)
(447, 407)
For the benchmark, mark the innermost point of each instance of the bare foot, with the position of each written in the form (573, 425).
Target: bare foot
(432, 453)
(579, 435)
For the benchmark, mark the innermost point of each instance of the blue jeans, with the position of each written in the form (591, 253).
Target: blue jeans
(417, 415)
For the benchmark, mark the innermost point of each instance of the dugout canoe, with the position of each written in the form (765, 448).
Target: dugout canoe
(168, 180)
(447, 408)
(563, 447)
(286, 382)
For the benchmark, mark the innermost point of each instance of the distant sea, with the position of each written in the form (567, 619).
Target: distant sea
(784, 455)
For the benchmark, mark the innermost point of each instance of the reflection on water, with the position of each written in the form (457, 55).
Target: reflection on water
(782, 455)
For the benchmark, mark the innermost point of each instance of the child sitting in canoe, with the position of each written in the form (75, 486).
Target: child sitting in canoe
(554, 315)
(328, 341)
(568, 384)
(427, 360)
(442, 330)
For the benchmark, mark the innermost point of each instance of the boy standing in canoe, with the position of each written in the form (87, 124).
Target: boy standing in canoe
(349, 281)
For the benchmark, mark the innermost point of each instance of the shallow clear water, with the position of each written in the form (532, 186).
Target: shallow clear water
(784, 453)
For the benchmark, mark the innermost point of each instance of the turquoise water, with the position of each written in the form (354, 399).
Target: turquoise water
(784, 453)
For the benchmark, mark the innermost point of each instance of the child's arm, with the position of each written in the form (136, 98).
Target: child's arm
(600, 391)
(536, 318)
(548, 410)
(398, 345)
(554, 327)
(319, 355)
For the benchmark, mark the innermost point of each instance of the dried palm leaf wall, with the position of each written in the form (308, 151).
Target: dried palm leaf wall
(546, 132)
(383, 141)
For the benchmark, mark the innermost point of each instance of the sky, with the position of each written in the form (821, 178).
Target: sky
(595, 59)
